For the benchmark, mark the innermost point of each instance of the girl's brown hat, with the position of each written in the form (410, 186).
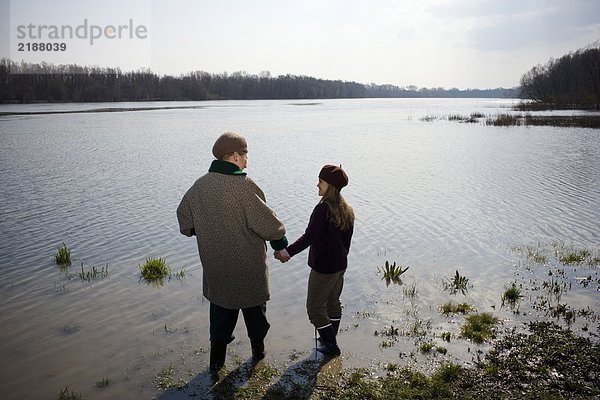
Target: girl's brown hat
(335, 176)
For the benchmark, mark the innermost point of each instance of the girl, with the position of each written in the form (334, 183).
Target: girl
(328, 234)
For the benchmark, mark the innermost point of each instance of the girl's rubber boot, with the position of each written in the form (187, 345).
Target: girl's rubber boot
(335, 323)
(329, 347)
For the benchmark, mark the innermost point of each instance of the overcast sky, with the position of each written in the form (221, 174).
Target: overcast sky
(426, 43)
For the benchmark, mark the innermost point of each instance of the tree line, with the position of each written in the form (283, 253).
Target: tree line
(572, 81)
(27, 83)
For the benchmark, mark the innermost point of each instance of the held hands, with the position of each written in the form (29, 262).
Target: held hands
(281, 256)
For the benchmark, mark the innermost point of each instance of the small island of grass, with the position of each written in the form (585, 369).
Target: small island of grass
(154, 270)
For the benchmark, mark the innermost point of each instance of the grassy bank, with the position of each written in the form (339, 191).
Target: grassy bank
(546, 362)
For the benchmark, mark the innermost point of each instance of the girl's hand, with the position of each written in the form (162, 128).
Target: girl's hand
(281, 257)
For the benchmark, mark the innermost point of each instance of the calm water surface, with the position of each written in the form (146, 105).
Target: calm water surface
(436, 196)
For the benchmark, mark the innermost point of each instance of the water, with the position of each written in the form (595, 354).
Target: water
(436, 196)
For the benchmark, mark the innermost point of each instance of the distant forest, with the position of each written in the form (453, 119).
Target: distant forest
(572, 81)
(31, 83)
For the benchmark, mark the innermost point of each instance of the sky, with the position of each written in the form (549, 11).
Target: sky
(465, 44)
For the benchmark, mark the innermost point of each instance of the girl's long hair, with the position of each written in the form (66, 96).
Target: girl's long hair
(341, 213)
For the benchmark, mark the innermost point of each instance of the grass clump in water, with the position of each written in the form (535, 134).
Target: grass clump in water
(461, 118)
(181, 274)
(66, 394)
(453, 308)
(426, 347)
(411, 292)
(446, 336)
(392, 273)
(479, 327)
(574, 257)
(564, 254)
(94, 273)
(456, 284)
(428, 118)
(63, 256)
(570, 255)
(391, 331)
(533, 254)
(392, 336)
(165, 379)
(155, 270)
(511, 296)
(71, 327)
(504, 120)
(102, 383)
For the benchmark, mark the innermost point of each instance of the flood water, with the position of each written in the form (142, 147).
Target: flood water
(437, 196)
